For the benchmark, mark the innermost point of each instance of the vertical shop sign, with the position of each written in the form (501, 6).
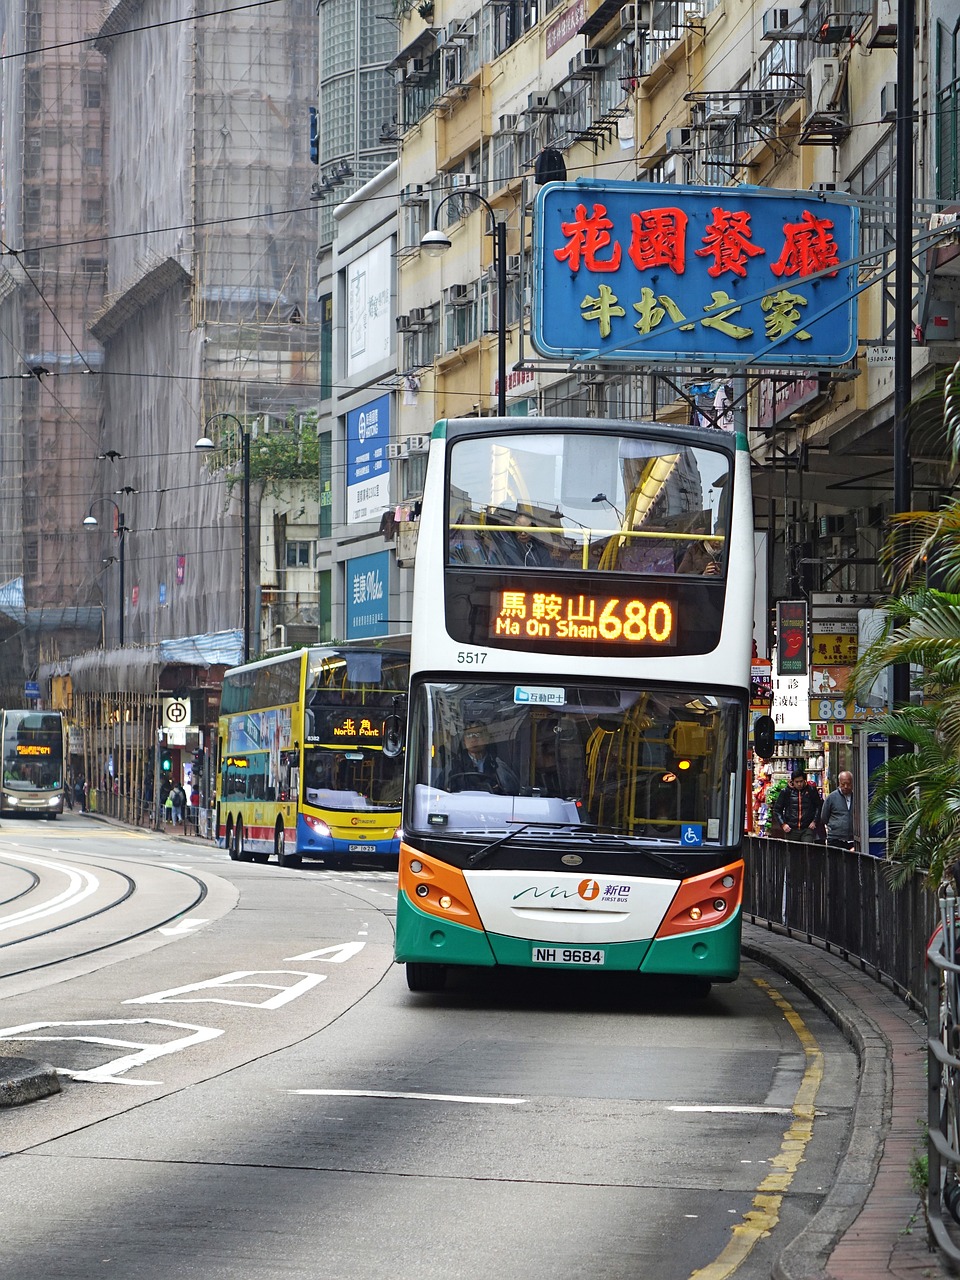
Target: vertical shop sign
(792, 637)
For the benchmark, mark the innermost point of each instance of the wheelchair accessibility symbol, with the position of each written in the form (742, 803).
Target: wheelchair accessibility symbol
(691, 833)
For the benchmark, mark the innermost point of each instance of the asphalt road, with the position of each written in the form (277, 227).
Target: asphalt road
(250, 1090)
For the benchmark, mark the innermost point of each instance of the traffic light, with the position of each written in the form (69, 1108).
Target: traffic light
(166, 762)
(197, 763)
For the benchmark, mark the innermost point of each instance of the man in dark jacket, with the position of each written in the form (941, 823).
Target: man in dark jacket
(797, 809)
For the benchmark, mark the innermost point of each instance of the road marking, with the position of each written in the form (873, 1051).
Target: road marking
(80, 884)
(336, 955)
(108, 1072)
(415, 1097)
(185, 926)
(234, 980)
(764, 1213)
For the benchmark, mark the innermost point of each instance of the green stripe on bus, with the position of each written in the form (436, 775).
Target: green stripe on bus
(713, 954)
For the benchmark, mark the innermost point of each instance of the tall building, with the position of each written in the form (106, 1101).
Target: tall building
(52, 278)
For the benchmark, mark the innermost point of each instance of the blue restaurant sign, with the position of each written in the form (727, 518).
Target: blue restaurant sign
(716, 275)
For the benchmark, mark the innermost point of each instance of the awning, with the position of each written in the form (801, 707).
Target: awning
(137, 670)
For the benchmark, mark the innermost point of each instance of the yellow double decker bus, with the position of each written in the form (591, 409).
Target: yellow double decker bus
(310, 756)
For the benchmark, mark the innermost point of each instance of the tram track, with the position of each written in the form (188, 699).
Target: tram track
(33, 882)
(129, 885)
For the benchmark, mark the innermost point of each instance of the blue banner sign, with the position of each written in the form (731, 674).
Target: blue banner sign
(368, 469)
(639, 272)
(368, 595)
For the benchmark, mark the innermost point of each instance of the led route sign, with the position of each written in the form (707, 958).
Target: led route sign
(545, 616)
(736, 275)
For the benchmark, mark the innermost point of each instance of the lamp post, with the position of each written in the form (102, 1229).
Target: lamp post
(90, 521)
(205, 444)
(435, 243)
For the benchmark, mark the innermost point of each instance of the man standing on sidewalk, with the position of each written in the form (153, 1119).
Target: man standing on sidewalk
(797, 809)
(837, 813)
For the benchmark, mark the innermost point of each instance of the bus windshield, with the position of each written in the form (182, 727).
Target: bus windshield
(594, 501)
(32, 751)
(352, 780)
(648, 762)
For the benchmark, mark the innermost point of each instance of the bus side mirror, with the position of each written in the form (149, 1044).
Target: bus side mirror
(392, 737)
(764, 736)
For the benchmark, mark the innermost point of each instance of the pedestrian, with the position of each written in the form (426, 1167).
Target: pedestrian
(177, 800)
(797, 809)
(80, 793)
(837, 813)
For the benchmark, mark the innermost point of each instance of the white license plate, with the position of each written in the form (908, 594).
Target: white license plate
(568, 955)
(362, 848)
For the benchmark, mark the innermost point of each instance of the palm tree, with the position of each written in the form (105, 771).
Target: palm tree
(918, 793)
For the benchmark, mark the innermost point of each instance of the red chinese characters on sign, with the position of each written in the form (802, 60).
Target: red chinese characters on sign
(808, 247)
(658, 239)
(728, 241)
(586, 237)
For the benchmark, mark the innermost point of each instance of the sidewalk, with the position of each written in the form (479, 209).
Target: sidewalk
(872, 1222)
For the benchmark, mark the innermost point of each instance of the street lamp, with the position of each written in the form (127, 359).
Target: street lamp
(90, 521)
(435, 243)
(205, 445)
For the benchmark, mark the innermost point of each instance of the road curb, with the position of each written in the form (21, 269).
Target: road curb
(806, 1256)
(22, 1080)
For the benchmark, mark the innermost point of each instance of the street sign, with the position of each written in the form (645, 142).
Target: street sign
(175, 713)
(648, 273)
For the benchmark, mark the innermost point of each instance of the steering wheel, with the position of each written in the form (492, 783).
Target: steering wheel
(467, 780)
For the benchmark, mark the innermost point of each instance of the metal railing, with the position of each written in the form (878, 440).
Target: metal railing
(943, 1074)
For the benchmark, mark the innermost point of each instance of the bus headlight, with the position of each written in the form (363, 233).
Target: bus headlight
(12, 801)
(318, 827)
(53, 801)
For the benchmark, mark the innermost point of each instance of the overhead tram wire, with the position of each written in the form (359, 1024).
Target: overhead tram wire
(128, 31)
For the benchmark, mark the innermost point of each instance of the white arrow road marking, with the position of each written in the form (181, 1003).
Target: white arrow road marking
(186, 925)
(336, 955)
(109, 1071)
(81, 884)
(233, 981)
(416, 1097)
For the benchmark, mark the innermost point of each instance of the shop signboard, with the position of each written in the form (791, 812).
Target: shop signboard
(647, 272)
(792, 638)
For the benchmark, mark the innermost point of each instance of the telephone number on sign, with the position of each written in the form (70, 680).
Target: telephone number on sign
(567, 955)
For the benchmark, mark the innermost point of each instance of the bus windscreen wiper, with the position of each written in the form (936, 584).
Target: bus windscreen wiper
(481, 855)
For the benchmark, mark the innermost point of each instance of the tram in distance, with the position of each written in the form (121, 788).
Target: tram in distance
(310, 756)
(579, 682)
(33, 751)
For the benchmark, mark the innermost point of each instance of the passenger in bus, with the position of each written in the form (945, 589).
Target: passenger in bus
(521, 547)
(702, 557)
(476, 766)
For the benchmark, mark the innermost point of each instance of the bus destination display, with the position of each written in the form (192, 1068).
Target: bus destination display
(557, 615)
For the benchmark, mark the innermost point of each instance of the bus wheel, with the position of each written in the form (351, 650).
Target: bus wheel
(228, 842)
(426, 977)
(283, 859)
(241, 854)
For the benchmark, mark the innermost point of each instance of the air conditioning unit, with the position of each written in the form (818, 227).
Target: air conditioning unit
(460, 295)
(394, 451)
(404, 325)
(823, 78)
(586, 64)
(419, 317)
(461, 181)
(459, 32)
(509, 124)
(413, 194)
(719, 110)
(514, 263)
(888, 100)
(451, 67)
(417, 444)
(628, 17)
(416, 68)
(828, 188)
(679, 141)
(783, 24)
(540, 104)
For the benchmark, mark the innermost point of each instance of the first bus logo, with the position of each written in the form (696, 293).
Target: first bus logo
(588, 890)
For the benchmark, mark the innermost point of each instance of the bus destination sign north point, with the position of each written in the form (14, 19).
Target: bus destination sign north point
(734, 275)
